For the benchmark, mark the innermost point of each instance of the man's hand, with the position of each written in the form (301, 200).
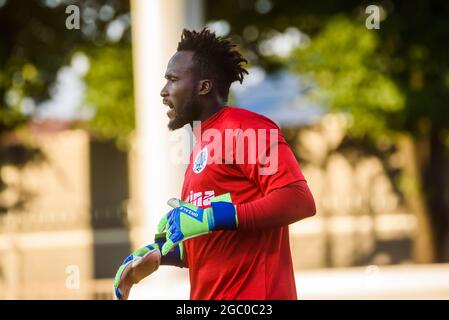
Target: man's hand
(138, 265)
(187, 221)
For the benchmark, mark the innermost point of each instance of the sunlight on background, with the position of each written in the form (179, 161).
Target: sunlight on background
(84, 169)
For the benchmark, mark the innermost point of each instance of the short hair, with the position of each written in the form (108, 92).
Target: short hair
(215, 58)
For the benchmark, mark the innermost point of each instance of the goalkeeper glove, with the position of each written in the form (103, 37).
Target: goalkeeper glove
(187, 221)
(143, 262)
(129, 273)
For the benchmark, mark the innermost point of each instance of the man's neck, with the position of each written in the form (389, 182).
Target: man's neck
(206, 114)
(211, 110)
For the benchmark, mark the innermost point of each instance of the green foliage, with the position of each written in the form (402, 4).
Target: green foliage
(36, 44)
(344, 61)
(10, 118)
(395, 79)
(412, 50)
(110, 92)
(30, 55)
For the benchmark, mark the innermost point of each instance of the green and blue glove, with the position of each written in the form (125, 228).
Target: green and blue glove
(187, 221)
(125, 271)
(136, 266)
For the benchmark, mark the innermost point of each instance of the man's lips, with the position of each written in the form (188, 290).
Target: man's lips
(167, 103)
(171, 112)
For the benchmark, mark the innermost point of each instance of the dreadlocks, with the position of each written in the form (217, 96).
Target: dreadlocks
(215, 58)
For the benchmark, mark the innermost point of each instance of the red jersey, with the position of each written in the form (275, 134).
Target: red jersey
(240, 264)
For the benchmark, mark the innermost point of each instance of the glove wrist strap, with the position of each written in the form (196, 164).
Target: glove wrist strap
(173, 258)
(224, 216)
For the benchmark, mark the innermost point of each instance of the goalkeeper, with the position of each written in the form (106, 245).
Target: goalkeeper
(231, 229)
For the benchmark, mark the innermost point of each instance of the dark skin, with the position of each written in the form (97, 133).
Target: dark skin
(188, 97)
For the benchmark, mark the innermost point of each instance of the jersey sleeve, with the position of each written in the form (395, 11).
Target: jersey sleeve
(281, 207)
(267, 160)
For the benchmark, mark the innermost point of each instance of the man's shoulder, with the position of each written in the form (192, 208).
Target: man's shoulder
(244, 118)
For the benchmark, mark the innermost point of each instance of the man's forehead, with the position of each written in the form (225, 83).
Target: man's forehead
(180, 62)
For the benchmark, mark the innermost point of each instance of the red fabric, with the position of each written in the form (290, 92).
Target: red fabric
(279, 208)
(253, 262)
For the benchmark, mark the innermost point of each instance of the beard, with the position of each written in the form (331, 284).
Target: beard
(186, 114)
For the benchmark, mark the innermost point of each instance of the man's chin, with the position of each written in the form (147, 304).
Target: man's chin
(175, 124)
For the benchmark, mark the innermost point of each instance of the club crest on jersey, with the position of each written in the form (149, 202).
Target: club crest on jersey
(200, 161)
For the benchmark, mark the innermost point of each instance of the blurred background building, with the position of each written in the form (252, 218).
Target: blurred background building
(363, 109)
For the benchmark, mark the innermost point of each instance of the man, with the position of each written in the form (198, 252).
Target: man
(242, 188)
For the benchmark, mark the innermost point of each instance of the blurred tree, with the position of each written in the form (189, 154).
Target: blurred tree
(35, 44)
(113, 100)
(343, 59)
(394, 82)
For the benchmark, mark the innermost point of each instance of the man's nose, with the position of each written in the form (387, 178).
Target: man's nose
(164, 92)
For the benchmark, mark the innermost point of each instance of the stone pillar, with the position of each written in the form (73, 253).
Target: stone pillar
(156, 30)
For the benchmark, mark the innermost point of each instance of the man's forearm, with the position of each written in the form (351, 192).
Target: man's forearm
(279, 208)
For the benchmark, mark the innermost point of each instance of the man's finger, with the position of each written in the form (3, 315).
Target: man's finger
(117, 279)
(118, 293)
(162, 224)
(167, 247)
(121, 273)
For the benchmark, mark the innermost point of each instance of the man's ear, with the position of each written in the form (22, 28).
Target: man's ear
(204, 87)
